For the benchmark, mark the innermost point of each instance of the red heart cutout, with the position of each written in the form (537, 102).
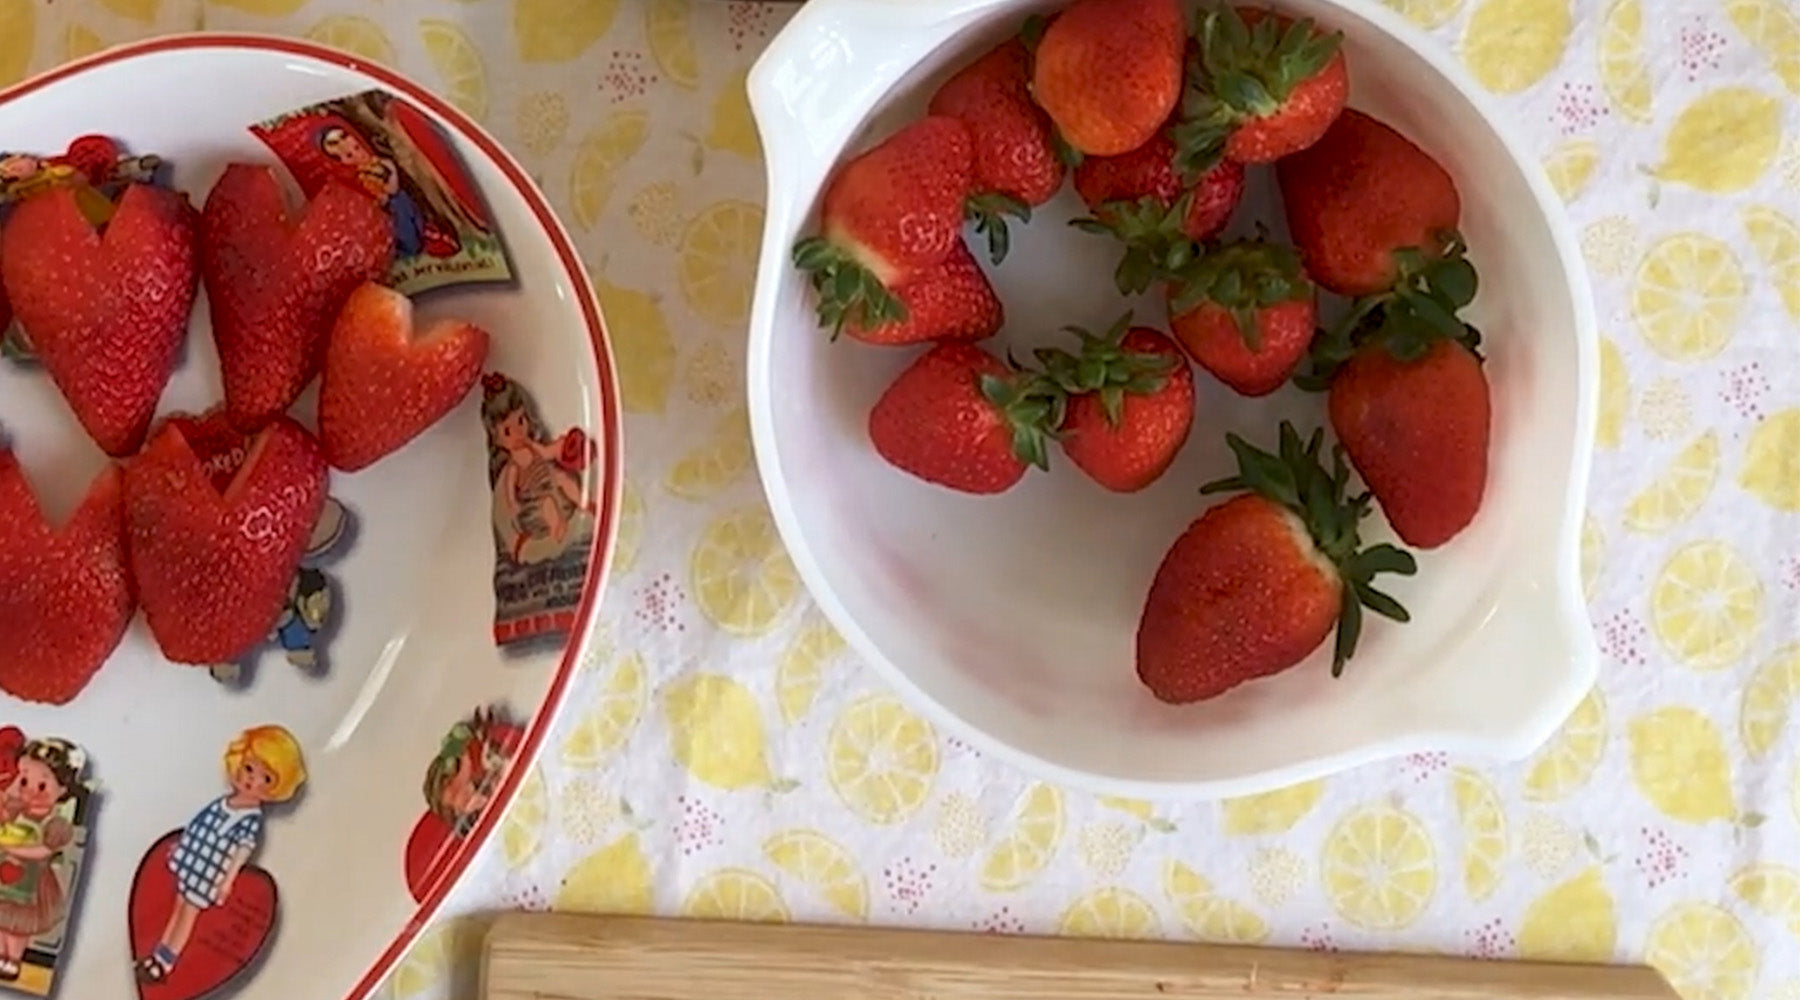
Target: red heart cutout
(429, 852)
(437, 151)
(226, 939)
(10, 872)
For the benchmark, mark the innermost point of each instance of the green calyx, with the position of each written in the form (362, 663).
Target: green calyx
(1156, 242)
(1422, 308)
(1241, 277)
(1297, 479)
(1105, 367)
(1032, 406)
(1237, 72)
(848, 292)
(988, 211)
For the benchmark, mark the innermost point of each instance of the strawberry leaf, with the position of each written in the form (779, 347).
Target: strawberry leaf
(1243, 277)
(1103, 366)
(848, 292)
(1420, 309)
(988, 211)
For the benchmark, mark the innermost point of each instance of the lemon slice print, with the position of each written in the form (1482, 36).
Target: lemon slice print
(717, 462)
(461, 73)
(643, 347)
(800, 670)
(435, 957)
(1270, 812)
(1568, 761)
(614, 879)
(1687, 296)
(1511, 44)
(522, 830)
(666, 25)
(631, 528)
(554, 31)
(264, 8)
(1705, 605)
(1484, 832)
(18, 35)
(1207, 915)
(1704, 951)
(822, 863)
(733, 128)
(1571, 166)
(1767, 700)
(1772, 890)
(1144, 811)
(138, 10)
(1031, 841)
(743, 580)
(1593, 555)
(609, 722)
(1680, 766)
(597, 160)
(542, 121)
(1615, 395)
(1573, 922)
(1680, 491)
(1773, 27)
(1110, 913)
(358, 36)
(1378, 868)
(1771, 471)
(1776, 240)
(1724, 141)
(735, 894)
(78, 42)
(1622, 72)
(881, 759)
(716, 732)
(717, 263)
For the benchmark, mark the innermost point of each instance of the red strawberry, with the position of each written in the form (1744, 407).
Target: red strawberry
(107, 311)
(385, 382)
(952, 301)
(213, 566)
(1246, 312)
(1260, 87)
(1358, 197)
(891, 214)
(1131, 404)
(1259, 581)
(1154, 209)
(276, 280)
(1109, 72)
(65, 594)
(960, 418)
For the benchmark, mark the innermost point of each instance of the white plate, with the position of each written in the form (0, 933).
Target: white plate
(1011, 619)
(414, 651)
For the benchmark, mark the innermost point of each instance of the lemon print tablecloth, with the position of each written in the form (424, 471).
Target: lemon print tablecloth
(724, 755)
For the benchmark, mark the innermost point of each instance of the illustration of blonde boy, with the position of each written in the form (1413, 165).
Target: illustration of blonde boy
(263, 765)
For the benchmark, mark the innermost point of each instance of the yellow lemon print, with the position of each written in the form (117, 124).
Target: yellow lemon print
(1378, 868)
(1703, 951)
(1615, 395)
(542, 120)
(1687, 296)
(1573, 922)
(461, 73)
(1771, 26)
(137, 10)
(553, 31)
(881, 760)
(800, 670)
(1724, 141)
(1571, 166)
(1771, 470)
(743, 580)
(667, 26)
(1610, 245)
(613, 142)
(614, 879)
(643, 347)
(1110, 913)
(522, 831)
(1511, 44)
(1593, 555)
(1623, 75)
(1270, 812)
(434, 959)
(735, 894)
(1144, 811)
(631, 528)
(1207, 915)
(1679, 764)
(821, 863)
(358, 36)
(716, 732)
(264, 8)
(1767, 700)
(1705, 605)
(81, 41)
(18, 36)
(655, 213)
(1680, 491)
(1483, 825)
(1426, 13)
(1776, 240)
(1771, 890)
(733, 127)
(1031, 841)
(1568, 761)
(716, 463)
(717, 266)
(609, 722)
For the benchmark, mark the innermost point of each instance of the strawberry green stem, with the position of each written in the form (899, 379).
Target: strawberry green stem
(988, 211)
(848, 292)
(1238, 72)
(1032, 407)
(1242, 277)
(1103, 366)
(1157, 245)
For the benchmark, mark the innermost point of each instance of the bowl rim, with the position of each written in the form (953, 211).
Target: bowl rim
(1568, 611)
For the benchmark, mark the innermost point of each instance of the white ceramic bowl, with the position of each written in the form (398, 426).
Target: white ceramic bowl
(1010, 620)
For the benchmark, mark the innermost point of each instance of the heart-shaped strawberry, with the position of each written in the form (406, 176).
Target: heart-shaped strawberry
(107, 310)
(65, 593)
(387, 382)
(226, 939)
(276, 282)
(212, 566)
(429, 851)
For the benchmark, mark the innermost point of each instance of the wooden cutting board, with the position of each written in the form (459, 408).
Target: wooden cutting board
(554, 957)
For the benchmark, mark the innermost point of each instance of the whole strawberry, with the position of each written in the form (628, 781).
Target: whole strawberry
(889, 215)
(1109, 72)
(1260, 87)
(1260, 581)
(1246, 312)
(1154, 208)
(1359, 197)
(960, 418)
(107, 310)
(952, 301)
(1130, 404)
(65, 593)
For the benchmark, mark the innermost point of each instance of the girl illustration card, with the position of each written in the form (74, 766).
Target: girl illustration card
(443, 232)
(459, 784)
(45, 815)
